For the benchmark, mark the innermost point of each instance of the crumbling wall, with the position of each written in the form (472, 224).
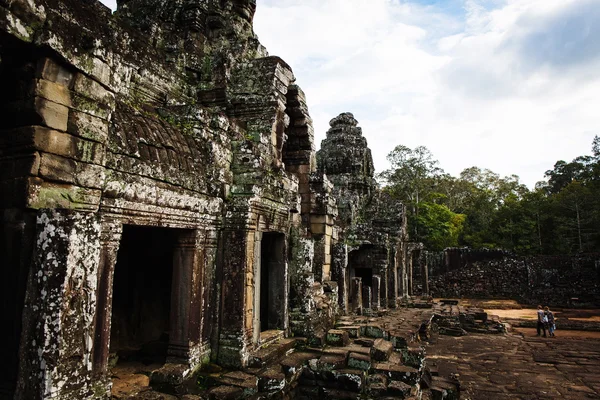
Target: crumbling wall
(562, 281)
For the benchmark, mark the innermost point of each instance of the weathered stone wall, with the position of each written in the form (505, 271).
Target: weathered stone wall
(170, 114)
(563, 281)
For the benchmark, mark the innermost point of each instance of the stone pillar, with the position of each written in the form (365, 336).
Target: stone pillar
(410, 267)
(367, 297)
(319, 258)
(301, 281)
(339, 274)
(383, 287)
(208, 263)
(323, 231)
(235, 323)
(376, 291)
(405, 267)
(186, 299)
(111, 232)
(257, 288)
(62, 307)
(393, 279)
(356, 290)
(424, 275)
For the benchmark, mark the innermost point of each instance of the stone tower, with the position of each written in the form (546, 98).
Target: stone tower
(346, 160)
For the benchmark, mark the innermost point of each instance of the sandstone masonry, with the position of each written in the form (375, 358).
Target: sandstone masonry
(160, 193)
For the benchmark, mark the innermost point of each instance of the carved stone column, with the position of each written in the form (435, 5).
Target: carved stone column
(410, 266)
(357, 301)
(367, 297)
(186, 298)
(424, 275)
(340, 274)
(376, 292)
(110, 238)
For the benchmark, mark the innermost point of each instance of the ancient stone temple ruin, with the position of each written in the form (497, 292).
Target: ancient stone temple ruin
(368, 261)
(161, 195)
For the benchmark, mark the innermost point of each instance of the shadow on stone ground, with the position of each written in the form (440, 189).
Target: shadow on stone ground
(520, 365)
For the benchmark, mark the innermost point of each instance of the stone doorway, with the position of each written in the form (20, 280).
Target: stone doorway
(366, 274)
(16, 242)
(142, 291)
(272, 284)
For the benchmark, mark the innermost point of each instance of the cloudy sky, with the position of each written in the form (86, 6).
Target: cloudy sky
(509, 85)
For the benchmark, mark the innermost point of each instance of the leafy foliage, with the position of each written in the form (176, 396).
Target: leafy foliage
(479, 208)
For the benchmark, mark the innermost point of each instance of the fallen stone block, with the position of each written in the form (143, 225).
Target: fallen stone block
(400, 389)
(330, 362)
(413, 356)
(271, 380)
(444, 389)
(359, 361)
(398, 340)
(169, 375)
(373, 331)
(365, 342)
(377, 390)
(381, 350)
(247, 382)
(225, 393)
(353, 330)
(350, 379)
(317, 339)
(402, 373)
(293, 364)
(340, 394)
(337, 337)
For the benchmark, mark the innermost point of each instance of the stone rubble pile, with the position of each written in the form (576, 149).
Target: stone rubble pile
(362, 357)
(560, 281)
(455, 320)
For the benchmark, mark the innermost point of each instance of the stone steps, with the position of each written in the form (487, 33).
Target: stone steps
(271, 353)
(369, 366)
(359, 357)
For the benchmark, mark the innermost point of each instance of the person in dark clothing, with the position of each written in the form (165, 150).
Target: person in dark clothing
(550, 317)
(540, 321)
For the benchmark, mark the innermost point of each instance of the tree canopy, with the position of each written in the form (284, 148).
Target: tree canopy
(479, 208)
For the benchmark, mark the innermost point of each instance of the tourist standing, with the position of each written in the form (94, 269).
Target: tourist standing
(550, 317)
(540, 321)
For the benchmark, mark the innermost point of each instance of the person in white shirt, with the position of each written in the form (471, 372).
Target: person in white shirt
(540, 321)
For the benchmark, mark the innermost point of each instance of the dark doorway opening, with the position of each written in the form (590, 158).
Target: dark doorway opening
(141, 304)
(272, 281)
(16, 247)
(366, 274)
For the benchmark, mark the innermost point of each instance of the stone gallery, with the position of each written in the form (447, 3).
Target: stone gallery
(161, 193)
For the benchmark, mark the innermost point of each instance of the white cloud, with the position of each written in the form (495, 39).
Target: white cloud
(472, 86)
(112, 4)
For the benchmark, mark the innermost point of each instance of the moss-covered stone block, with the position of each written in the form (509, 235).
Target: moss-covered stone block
(337, 337)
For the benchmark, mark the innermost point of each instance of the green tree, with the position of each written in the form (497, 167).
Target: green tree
(576, 205)
(410, 179)
(439, 226)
